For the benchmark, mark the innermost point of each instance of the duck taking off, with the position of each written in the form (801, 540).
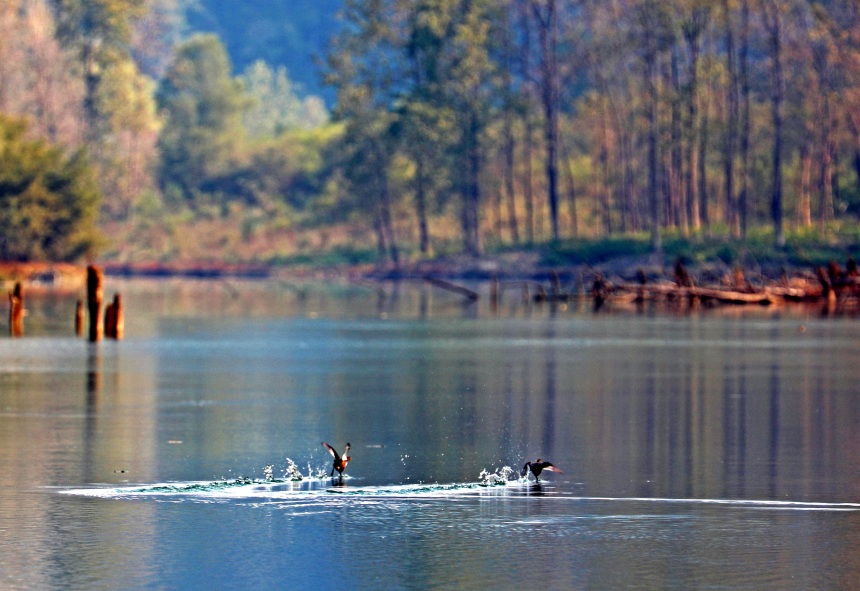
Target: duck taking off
(538, 467)
(340, 462)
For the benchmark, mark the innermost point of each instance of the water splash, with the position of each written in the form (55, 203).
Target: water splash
(269, 473)
(316, 474)
(500, 477)
(292, 473)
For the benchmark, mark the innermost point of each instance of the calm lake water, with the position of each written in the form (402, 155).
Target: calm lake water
(704, 450)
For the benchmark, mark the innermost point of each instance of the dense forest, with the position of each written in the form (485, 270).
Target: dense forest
(452, 125)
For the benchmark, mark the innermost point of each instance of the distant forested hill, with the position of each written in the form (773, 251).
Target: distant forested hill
(281, 32)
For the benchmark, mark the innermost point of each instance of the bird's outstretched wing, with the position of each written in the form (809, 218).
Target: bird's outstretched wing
(550, 468)
(331, 450)
(525, 469)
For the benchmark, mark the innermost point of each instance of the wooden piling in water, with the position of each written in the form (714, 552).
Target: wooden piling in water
(95, 293)
(114, 321)
(16, 310)
(494, 293)
(79, 318)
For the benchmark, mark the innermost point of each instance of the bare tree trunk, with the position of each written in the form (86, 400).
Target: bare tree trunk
(421, 208)
(773, 23)
(509, 145)
(693, 213)
(614, 114)
(547, 27)
(528, 151)
(745, 121)
(731, 125)
(605, 191)
(701, 161)
(379, 229)
(825, 213)
(509, 163)
(385, 223)
(528, 189)
(472, 189)
(804, 206)
(653, 132)
(571, 194)
(676, 194)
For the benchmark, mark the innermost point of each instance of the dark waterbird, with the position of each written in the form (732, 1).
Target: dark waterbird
(538, 467)
(340, 462)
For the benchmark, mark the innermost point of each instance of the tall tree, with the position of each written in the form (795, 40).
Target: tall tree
(545, 14)
(100, 32)
(731, 126)
(745, 120)
(772, 17)
(203, 106)
(655, 36)
(363, 67)
(693, 25)
(470, 93)
(509, 109)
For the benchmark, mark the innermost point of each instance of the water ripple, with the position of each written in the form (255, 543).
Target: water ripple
(324, 491)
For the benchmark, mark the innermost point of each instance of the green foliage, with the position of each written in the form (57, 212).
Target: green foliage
(81, 21)
(48, 201)
(582, 251)
(275, 106)
(335, 256)
(803, 249)
(203, 107)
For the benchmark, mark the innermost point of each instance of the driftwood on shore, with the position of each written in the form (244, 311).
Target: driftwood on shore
(467, 293)
(831, 283)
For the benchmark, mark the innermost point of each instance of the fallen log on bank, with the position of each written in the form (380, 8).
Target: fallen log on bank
(448, 286)
(830, 283)
(674, 291)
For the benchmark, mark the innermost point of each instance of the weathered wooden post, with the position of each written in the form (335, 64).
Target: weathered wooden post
(79, 318)
(641, 279)
(114, 321)
(16, 310)
(494, 293)
(95, 293)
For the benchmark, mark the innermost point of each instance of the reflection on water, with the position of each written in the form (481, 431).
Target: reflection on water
(713, 448)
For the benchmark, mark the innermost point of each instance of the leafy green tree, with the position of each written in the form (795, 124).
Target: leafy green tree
(100, 32)
(472, 91)
(202, 106)
(129, 151)
(364, 68)
(275, 105)
(48, 201)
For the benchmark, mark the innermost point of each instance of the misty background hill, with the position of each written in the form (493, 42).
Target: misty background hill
(289, 33)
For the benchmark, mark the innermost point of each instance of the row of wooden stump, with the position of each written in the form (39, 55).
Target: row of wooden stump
(111, 325)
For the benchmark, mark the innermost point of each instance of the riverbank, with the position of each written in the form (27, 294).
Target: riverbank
(805, 269)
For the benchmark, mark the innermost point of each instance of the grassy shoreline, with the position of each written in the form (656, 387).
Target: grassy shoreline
(621, 256)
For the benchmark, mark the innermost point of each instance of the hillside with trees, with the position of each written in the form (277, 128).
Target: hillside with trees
(453, 126)
(292, 34)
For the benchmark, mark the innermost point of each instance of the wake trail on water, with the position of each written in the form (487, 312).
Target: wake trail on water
(317, 486)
